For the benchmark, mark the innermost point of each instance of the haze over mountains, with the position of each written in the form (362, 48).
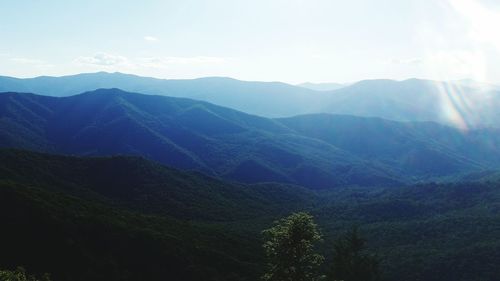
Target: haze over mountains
(463, 104)
(188, 183)
(250, 140)
(182, 133)
(261, 98)
(316, 151)
(322, 86)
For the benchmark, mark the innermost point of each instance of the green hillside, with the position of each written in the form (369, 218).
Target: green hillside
(181, 133)
(126, 218)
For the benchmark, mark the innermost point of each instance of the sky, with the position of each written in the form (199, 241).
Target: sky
(292, 41)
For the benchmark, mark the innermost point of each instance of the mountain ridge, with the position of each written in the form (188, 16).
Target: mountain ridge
(178, 132)
(318, 151)
(462, 104)
(127, 218)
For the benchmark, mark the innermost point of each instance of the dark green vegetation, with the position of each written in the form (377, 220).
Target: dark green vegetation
(128, 218)
(409, 100)
(351, 262)
(19, 274)
(125, 218)
(290, 249)
(424, 232)
(316, 151)
(136, 183)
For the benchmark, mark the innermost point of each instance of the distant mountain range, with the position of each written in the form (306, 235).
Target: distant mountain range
(322, 86)
(271, 99)
(420, 100)
(316, 151)
(181, 189)
(464, 104)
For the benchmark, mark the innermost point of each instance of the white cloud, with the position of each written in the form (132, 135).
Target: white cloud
(103, 59)
(164, 62)
(120, 63)
(150, 38)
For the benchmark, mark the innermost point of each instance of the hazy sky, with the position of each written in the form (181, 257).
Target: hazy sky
(279, 40)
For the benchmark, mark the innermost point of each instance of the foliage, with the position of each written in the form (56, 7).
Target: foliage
(423, 232)
(77, 239)
(19, 274)
(351, 262)
(139, 184)
(122, 218)
(289, 248)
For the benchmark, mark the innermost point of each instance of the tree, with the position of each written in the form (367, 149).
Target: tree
(350, 260)
(289, 247)
(20, 275)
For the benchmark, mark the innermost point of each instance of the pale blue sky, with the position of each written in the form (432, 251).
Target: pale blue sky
(269, 40)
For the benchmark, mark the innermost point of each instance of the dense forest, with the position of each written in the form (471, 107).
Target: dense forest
(264, 140)
(127, 218)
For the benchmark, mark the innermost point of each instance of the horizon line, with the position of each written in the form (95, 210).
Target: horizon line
(263, 81)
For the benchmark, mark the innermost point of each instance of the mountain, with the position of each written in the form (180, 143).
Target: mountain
(271, 99)
(471, 83)
(316, 151)
(418, 100)
(79, 239)
(465, 104)
(138, 184)
(411, 148)
(321, 86)
(127, 218)
(423, 232)
(181, 133)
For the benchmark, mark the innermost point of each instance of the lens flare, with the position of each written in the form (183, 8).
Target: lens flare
(466, 104)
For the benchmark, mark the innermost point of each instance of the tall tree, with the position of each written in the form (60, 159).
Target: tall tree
(290, 249)
(351, 262)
